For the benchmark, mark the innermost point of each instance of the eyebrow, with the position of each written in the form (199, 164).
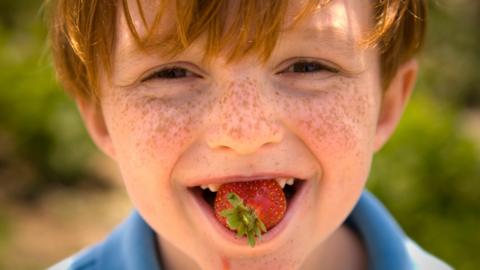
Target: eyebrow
(132, 55)
(133, 50)
(330, 35)
(335, 43)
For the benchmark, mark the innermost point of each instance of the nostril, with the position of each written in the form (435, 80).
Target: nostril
(244, 147)
(222, 148)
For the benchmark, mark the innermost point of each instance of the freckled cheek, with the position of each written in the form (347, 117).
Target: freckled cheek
(322, 126)
(337, 130)
(338, 117)
(153, 133)
(168, 130)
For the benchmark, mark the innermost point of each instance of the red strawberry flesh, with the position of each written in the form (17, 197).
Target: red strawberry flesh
(265, 197)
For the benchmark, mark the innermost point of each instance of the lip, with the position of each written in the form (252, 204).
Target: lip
(242, 178)
(207, 216)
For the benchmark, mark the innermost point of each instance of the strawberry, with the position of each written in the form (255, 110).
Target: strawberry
(250, 208)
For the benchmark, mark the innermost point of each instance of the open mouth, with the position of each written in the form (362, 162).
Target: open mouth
(293, 188)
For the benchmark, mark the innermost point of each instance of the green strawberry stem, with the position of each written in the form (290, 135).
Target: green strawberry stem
(243, 219)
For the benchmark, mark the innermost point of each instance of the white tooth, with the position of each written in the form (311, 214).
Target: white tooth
(213, 187)
(290, 181)
(204, 186)
(281, 181)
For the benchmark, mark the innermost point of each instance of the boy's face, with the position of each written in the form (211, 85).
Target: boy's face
(311, 112)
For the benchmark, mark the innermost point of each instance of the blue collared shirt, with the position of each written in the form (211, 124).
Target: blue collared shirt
(132, 245)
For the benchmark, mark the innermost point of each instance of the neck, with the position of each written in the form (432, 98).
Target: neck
(330, 254)
(343, 250)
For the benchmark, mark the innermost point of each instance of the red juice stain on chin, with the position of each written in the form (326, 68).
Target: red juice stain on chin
(225, 263)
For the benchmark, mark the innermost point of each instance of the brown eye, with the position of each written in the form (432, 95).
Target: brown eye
(169, 74)
(309, 67)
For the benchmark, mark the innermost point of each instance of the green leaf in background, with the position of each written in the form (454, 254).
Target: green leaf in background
(428, 176)
(42, 141)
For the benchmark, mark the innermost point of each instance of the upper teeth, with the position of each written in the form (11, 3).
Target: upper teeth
(281, 181)
(212, 187)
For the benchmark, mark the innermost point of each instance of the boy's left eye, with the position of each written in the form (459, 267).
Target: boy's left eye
(305, 66)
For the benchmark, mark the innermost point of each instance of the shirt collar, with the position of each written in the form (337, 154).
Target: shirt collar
(382, 236)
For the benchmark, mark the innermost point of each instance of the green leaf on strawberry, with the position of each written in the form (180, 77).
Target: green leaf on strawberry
(250, 208)
(243, 219)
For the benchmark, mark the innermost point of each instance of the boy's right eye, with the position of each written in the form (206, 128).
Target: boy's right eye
(169, 73)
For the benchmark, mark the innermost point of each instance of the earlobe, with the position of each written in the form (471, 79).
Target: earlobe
(394, 101)
(94, 120)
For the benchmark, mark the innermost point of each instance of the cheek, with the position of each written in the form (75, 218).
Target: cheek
(337, 125)
(149, 135)
(149, 129)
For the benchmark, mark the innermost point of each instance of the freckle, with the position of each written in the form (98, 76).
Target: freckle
(244, 103)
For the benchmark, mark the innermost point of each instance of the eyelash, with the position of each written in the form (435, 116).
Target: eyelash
(302, 67)
(169, 73)
(306, 66)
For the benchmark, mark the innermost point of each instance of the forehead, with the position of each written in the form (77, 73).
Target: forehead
(343, 21)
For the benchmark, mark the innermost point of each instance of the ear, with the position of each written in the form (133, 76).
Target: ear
(92, 115)
(394, 101)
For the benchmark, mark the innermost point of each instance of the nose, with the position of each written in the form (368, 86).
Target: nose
(243, 122)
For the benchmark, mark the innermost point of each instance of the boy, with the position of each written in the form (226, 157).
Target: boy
(243, 130)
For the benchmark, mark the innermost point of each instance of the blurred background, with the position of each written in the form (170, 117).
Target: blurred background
(58, 194)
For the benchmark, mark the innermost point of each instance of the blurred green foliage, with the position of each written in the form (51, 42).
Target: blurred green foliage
(42, 141)
(4, 232)
(452, 54)
(427, 175)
